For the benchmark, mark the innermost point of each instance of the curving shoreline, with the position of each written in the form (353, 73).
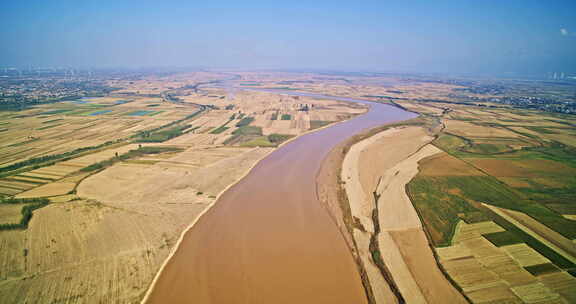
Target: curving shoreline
(191, 225)
(392, 247)
(375, 117)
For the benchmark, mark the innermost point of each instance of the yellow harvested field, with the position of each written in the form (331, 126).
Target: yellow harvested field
(54, 172)
(63, 198)
(16, 184)
(525, 255)
(51, 189)
(9, 191)
(567, 139)
(39, 176)
(458, 251)
(444, 164)
(52, 129)
(190, 172)
(27, 179)
(469, 273)
(72, 248)
(194, 139)
(494, 293)
(561, 282)
(10, 213)
(421, 108)
(564, 137)
(84, 161)
(467, 129)
(466, 231)
(535, 293)
(570, 216)
(12, 244)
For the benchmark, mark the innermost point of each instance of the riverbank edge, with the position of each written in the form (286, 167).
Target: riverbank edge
(330, 171)
(152, 285)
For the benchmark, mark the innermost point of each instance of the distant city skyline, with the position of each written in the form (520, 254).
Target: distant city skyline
(489, 37)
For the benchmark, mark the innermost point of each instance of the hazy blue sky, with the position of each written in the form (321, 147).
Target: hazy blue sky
(431, 35)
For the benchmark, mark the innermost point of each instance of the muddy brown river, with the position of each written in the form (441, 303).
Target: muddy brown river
(268, 239)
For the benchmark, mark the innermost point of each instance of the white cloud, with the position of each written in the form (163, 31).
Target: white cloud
(564, 32)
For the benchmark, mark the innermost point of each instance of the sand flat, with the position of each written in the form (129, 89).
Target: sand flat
(373, 165)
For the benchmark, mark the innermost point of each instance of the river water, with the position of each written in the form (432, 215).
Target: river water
(268, 239)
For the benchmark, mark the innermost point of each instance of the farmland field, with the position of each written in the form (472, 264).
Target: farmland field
(466, 202)
(520, 181)
(121, 177)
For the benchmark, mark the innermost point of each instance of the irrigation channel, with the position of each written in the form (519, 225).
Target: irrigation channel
(268, 239)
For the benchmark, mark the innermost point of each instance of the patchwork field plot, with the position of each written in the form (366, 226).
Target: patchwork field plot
(493, 204)
(43, 181)
(487, 273)
(66, 126)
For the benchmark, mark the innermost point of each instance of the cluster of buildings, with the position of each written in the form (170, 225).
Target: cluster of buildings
(538, 103)
(20, 91)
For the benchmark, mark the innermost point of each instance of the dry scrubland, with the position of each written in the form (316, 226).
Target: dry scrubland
(117, 209)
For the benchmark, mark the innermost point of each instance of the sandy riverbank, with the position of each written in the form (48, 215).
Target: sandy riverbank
(374, 173)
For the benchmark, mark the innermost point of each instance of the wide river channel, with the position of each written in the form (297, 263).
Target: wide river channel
(268, 239)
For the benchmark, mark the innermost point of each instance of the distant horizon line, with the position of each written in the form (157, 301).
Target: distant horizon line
(567, 75)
